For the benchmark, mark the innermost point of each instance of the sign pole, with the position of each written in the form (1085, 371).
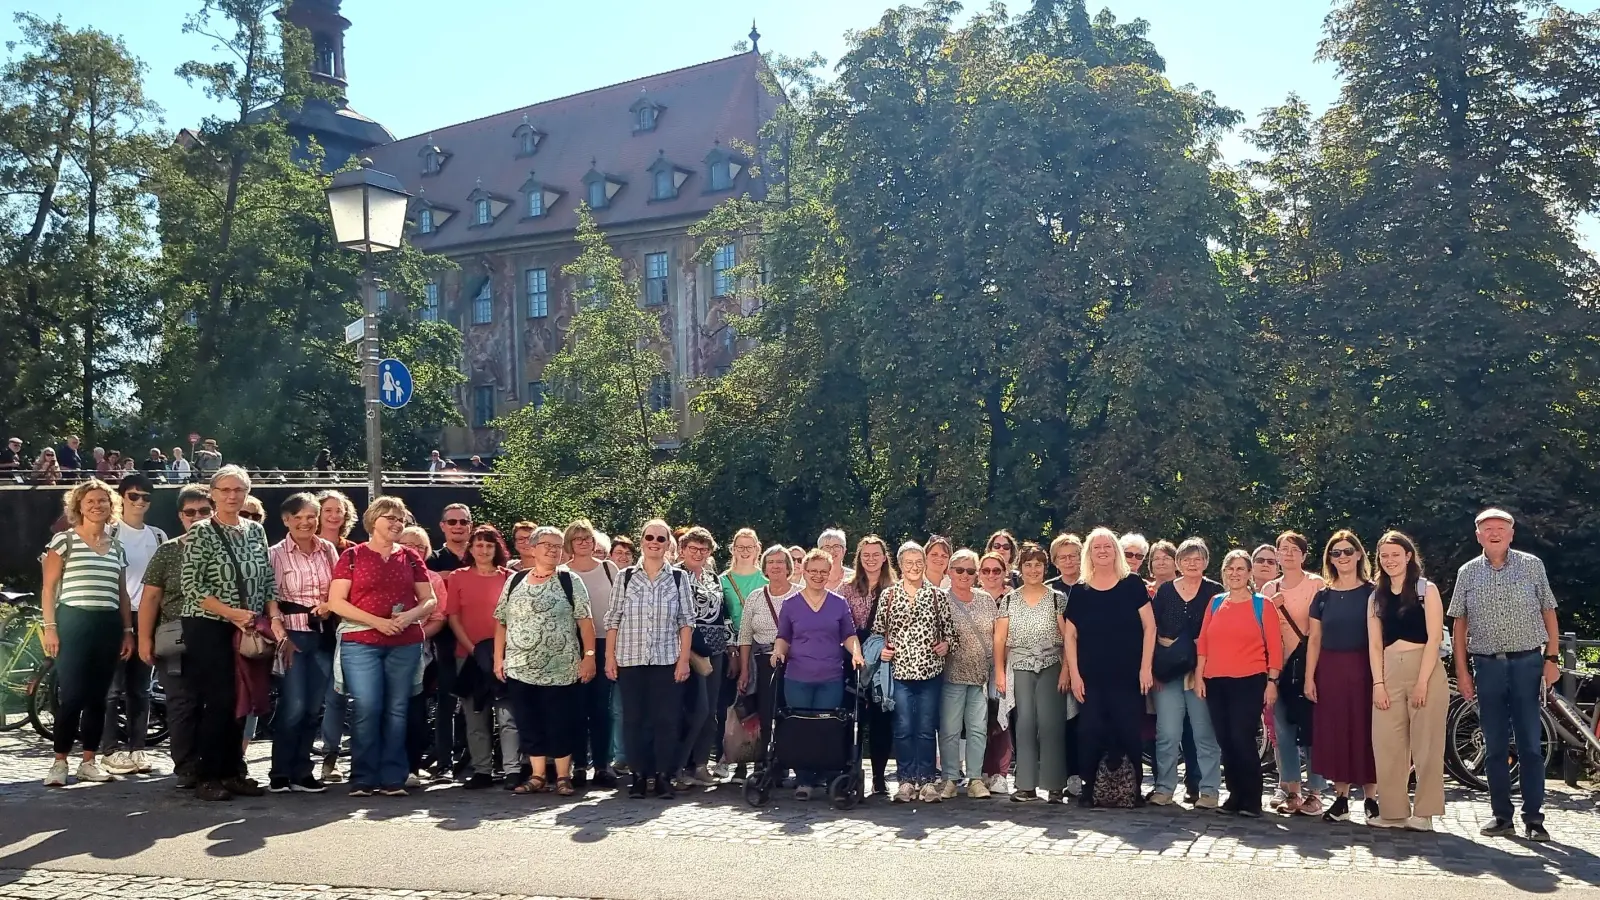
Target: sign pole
(369, 371)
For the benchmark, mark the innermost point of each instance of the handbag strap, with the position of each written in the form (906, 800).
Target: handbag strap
(771, 610)
(238, 573)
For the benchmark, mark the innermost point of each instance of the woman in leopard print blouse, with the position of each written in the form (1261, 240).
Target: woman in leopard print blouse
(914, 619)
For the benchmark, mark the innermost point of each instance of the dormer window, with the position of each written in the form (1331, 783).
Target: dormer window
(722, 168)
(486, 206)
(540, 197)
(645, 113)
(425, 221)
(527, 137)
(665, 178)
(599, 188)
(433, 159)
(429, 216)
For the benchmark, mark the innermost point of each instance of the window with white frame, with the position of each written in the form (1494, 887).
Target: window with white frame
(483, 305)
(425, 221)
(655, 279)
(430, 302)
(484, 217)
(535, 203)
(722, 263)
(538, 286)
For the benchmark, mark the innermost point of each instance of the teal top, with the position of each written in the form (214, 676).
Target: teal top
(735, 588)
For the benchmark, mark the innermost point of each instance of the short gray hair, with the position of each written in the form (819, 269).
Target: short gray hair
(546, 530)
(1195, 547)
(231, 471)
(908, 547)
(833, 533)
(1134, 539)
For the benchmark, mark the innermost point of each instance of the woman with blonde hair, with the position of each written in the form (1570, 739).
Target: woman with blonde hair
(871, 573)
(1110, 640)
(88, 622)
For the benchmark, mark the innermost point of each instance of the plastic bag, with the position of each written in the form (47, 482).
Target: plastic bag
(741, 737)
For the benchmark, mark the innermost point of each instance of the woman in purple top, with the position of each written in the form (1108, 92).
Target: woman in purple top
(810, 635)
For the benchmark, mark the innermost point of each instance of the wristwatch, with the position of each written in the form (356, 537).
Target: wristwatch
(588, 653)
(1272, 679)
(1552, 658)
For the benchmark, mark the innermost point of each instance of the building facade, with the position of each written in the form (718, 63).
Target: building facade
(332, 122)
(500, 195)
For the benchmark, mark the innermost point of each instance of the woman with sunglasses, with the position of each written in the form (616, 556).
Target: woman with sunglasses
(964, 702)
(1135, 549)
(1003, 543)
(1339, 677)
(128, 705)
(1292, 593)
(1264, 566)
(993, 570)
(870, 575)
(914, 620)
(1028, 638)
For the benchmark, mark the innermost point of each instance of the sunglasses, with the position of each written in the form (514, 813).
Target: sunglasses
(1002, 545)
(963, 570)
(655, 539)
(193, 512)
(994, 571)
(458, 521)
(1340, 552)
(1132, 554)
(1266, 561)
(137, 497)
(254, 517)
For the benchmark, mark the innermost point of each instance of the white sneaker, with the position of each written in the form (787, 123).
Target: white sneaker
(119, 763)
(58, 774)
(89, 770)
(931, 793)
(1419, 823)
(412, 781)
(142, 765)
(701, 777)
(977, 790)
(905, 793)
(1074, 785)
(949, 791)
(997, 784)
(723, 772)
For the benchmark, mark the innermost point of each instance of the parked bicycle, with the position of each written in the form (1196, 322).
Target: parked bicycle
(21, 655)
(1565, 727)
(44, 699)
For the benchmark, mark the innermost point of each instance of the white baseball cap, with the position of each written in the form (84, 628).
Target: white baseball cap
(1494, 513)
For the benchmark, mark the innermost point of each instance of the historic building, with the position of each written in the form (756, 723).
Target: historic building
(340, 130)
(499, 196)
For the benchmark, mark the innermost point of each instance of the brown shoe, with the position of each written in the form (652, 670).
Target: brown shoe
(212, 791)
(243, 787)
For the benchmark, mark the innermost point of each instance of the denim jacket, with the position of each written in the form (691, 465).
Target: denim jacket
(879, 674)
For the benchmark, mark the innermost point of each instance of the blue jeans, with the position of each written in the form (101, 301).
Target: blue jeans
(303, 685)
(379, 681)
(813, 695)
(1288, 752)
(963, 705)
(1508, 705)
(334, 707)
(1174, 706)
(916, 713)
(618, 755)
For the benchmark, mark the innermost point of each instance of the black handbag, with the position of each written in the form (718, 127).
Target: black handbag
(1171, 662)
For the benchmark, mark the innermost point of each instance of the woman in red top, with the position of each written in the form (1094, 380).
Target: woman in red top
(474, 591)
(1236, 671)
(380, 590)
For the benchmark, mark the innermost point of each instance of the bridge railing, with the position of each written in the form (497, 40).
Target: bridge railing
(310, 478)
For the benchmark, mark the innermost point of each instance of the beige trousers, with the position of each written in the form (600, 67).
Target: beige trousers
(1404, 738)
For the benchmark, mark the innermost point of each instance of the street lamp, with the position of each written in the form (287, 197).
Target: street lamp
(368, 209)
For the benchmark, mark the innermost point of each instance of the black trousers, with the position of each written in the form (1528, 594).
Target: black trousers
(591, 717)
(544, 716)
(766, 696)
(445, 736)
(91, 641)
(1235, 707)
(1109, 724)
(208, 665)
(183, 718)
(652, 714)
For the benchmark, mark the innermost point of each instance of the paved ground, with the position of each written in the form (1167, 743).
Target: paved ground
(138, 838)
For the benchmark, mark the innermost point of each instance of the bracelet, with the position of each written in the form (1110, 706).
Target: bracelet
(127, 631)
(1376, 683)
(50, 625)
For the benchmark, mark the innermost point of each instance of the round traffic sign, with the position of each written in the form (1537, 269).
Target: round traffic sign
(394, 383)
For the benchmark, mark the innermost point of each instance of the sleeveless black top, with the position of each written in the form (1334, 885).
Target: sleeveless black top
(1402, 623)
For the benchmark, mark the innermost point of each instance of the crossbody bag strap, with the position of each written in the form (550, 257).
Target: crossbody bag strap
(238, 573)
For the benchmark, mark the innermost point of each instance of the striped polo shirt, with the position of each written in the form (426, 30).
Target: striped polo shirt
(88, 579)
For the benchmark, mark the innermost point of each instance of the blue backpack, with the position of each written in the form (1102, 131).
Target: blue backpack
(1258, 605)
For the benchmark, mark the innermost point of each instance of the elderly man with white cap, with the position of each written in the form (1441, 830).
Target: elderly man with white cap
(1505, 618)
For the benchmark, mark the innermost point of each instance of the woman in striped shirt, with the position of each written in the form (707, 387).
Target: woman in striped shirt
(88, 623)
(302, 566)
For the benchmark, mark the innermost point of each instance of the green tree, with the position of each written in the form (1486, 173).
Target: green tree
(591, 447)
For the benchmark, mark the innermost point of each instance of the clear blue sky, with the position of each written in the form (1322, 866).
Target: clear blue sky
(415, 65)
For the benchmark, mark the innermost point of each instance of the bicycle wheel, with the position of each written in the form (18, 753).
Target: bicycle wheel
(1453, 764)
(1466, 753)
(43, 701)
(20, 660)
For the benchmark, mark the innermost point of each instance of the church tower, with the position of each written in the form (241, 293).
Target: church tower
(340, 130)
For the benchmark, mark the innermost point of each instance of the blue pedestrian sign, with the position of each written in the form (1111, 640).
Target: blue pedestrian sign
(394, 383)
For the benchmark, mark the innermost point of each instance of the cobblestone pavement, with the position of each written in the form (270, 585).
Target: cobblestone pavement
(48, 885)
(1144, 836)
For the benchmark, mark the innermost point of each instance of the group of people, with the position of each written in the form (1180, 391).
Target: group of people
(67, 464)
(1041, 672)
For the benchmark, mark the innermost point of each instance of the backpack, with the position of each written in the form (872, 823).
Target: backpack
(627, 578)
(1257, 604)
(562, 575)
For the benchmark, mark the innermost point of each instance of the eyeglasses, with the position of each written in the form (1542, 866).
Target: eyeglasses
(993, 571)
(547, 545)
(696, 548)
(1266, 561)
(1339, 552)
(963, 570)
(458, 521)
(655, 539)
(137, 497)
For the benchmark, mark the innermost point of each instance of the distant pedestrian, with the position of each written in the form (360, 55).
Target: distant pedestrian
(435, 462)
(67, 455)
(1505, 617)
(11, 458)
(208, 459)
(477, 465)
(324, 461)
(179, 466)
(154, 465)
(46, 469)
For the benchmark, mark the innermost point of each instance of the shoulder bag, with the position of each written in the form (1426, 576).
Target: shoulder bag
(254, 643)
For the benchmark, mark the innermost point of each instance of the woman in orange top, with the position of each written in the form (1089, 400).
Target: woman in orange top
(1239, 656)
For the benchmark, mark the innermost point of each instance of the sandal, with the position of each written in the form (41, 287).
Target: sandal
(534, 785)
(564, 787)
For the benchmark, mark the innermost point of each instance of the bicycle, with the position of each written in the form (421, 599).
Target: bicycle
(1563, 725)
(44, 700)
(21, 656)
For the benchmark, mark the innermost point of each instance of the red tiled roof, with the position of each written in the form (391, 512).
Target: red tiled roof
(723, 100)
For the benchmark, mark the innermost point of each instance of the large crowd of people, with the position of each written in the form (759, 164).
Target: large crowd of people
(575, 661)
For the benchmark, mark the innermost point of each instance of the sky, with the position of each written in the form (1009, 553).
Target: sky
(416, 65)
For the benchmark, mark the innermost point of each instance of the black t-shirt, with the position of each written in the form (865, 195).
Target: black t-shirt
(1110, 633)
(153, 466)
(67, 457)
(1343, 615)
(1175, 618)
(445, 560)
(8, 457)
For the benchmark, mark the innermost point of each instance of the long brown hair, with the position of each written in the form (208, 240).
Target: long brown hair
(1363, 564)
(1408, 597)
(885, 578)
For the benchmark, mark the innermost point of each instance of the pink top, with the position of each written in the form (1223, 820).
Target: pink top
(303, 579)
(1296, 603)
(475, 597)
(382, 587)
